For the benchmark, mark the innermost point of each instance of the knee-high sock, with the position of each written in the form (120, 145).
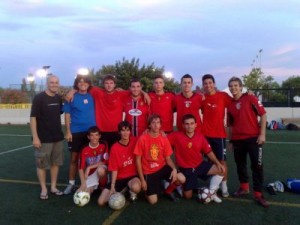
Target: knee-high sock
(215, 182)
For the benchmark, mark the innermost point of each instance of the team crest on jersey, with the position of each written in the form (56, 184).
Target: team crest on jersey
(212, 105)
(238, 105)
(85, 101)
(190, 145)
(135, 112)
(154, 152)
(187, 104)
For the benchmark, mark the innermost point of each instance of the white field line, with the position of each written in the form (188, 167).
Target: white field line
(16, 135)
(16, 149)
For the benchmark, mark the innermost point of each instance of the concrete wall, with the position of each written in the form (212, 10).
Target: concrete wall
(21, 116)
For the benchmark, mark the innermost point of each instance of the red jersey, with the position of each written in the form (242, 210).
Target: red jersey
(122, 159)
(90, 156)
(154, 151)
(136, 113)
(188, 150)
(190, 105)
(213, 110)
(242, 117)
(108, 108)
(163, 105)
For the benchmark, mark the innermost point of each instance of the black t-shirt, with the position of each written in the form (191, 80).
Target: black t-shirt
(47, 110)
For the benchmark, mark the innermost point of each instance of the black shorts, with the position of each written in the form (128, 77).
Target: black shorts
(218, 146)
(192, 175)
(110, 138)
(79, 141)
(154, 180)
(120, 183)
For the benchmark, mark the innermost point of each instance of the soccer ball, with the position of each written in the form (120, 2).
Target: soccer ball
(81, 198)
(205, 195)
(116, 201)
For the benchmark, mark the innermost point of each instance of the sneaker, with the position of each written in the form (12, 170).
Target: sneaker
(69, 189)
(216, 199)
(225, 194)
(240, 192)
(172, 197)
(133, 196)
(262, 201)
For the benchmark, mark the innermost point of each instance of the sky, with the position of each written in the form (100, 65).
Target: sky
(222, 37)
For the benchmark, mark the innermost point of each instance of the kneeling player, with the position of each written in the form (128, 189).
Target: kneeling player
(122, 166)
(93, 162)
(154, 163)
(188, 148)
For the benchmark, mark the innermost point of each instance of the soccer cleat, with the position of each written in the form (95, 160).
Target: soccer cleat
(172, 197)
(225, 194)
(133, 196)
(216, 199)
(262, 201)
(240, 192)
(69, 189)
(179, 190)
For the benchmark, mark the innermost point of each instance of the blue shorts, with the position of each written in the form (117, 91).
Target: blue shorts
(154, 180)
(218, 146)
(192, 175)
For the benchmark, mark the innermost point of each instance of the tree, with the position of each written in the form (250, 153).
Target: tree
(292, 83)
(13, 96)
(257, 80)
(125, 70)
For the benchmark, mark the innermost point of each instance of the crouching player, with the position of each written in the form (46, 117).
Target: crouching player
(122, 166)
(154, 163)
(93, 162)
(188, 148)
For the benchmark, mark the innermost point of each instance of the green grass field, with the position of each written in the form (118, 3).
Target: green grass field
(20, 202)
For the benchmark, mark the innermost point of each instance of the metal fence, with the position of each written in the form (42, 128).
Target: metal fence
(279, 97)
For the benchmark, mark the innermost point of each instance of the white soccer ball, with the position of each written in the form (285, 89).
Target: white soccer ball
(81, 198)
(205, 195)
(117, 201)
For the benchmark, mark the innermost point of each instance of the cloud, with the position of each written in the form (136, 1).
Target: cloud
(285, 49)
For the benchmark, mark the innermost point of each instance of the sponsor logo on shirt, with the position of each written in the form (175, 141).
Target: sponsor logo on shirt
(187, 104)
(153, 165)
(135, 112)
(128, 162)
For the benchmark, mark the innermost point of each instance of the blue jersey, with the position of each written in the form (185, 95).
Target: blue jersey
(82, 112)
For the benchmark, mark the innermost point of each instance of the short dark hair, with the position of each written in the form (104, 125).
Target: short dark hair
(153, 117)
(159, 76)
(123, 124)
(208, 76)
(134, 80)
(86, 79)
(186, 76)
(93, 129)
(109, 77)
(235, 79)
(188, 116)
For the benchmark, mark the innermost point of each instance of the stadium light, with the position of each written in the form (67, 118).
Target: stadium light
(42, 73)
(168, 74)
(83, 71)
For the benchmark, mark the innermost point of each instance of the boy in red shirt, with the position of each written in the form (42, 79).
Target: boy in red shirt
(154, 163)
(189, 147)
(162, 103)
(93, 162)
(187, 102)
(122, 166)
(247, 137)
(213, 127)
(135, 108)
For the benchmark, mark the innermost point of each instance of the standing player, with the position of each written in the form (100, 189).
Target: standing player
(93, 162)
(213, 110)
(122, 166)
(47, 135)
(189, 146)
(154, 164)
(81, 112)
(187, 102)
(247, 137)
(162, 103)
(135, 108)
